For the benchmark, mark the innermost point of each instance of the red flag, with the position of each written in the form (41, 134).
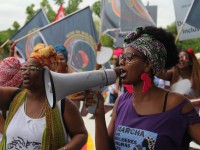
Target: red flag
(60, 14)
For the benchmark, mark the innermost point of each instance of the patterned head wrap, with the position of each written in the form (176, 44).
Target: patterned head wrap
(153, 49)
(10, 73)
(46, 55)
(60, 49)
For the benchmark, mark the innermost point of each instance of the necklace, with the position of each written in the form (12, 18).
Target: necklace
(42, 111)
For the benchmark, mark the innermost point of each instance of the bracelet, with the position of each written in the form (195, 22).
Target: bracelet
(64, 148)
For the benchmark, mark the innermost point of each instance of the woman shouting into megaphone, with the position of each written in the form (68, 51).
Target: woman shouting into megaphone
(150, 117)
(31, 122)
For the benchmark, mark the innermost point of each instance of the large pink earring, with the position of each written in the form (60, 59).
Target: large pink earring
(147, 82)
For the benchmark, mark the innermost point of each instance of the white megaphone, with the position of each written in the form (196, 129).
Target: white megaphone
(59, 85)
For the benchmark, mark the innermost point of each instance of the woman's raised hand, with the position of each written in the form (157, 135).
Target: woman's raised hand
(94, 102)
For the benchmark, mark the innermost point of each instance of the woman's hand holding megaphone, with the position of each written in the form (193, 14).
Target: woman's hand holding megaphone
(95, 101)
(79, 96)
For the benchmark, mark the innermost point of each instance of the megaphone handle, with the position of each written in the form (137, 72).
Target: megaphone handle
(92, 109)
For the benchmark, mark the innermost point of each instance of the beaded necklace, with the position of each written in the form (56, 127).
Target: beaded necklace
(42, 111)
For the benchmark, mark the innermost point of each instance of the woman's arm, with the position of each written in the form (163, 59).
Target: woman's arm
(103, 136)
(194, 131)
(12, 48)
(2, 122)
(194, 126)
(74, 125)
(6, 93)
(165, 75)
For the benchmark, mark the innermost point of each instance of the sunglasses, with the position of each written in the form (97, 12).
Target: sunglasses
(127, 57)
(30, 68)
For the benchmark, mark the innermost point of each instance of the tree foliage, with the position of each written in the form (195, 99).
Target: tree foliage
(48, 9)
(59, 2)
(184, 45)
(30, 12)
(16, 26)
(96, 8)
(104, 39)
(72, 6)
(107, 41)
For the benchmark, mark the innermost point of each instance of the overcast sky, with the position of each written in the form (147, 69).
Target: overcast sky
(14, 10)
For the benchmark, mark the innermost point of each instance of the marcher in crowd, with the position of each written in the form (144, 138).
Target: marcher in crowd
(152, 117)
(114, 88)
(13, 52)
(10, 75)
(62, 58)
(31, 123)
(187, 68)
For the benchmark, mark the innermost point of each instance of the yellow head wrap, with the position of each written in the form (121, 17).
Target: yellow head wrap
(46, 55)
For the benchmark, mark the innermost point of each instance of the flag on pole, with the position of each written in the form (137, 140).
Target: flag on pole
(193, 16)
(182, 10)
(25, 46)
(118, 17)
(134, 14)
(60, 14)
(78, 34)
(110, 15)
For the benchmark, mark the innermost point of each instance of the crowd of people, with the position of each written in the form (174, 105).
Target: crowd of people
(144, 114)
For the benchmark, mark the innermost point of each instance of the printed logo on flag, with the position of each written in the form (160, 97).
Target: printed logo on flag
(81, 51)
(32, 40)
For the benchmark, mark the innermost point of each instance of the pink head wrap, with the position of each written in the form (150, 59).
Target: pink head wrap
(118, 51)
(10, 73)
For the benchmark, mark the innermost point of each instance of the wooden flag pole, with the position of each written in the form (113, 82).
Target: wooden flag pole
(179, 32)
(4, 43)
(23, 37)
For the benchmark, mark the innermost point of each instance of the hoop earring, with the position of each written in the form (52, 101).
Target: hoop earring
(146, 82)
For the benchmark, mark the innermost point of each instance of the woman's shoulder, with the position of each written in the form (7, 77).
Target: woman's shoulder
(7, 92)
(176, 99)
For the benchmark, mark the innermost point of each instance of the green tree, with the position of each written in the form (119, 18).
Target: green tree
(59, 2)
(172, 28)
(107, 41)
(30, 12)
(184, 45)
(16, 26)
(48, 9)
(72, 6)
(5, 35)
(104, 39)
(96, 8)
